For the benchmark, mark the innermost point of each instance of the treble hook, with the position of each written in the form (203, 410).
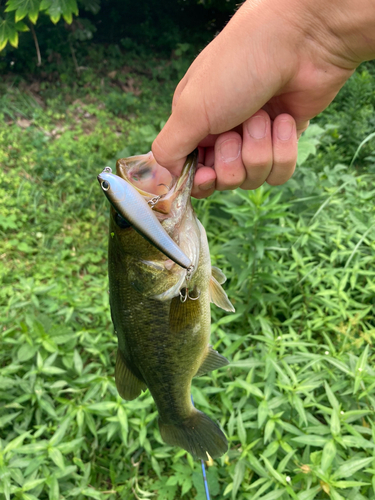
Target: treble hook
(189, 273)
(153, 201)
(194, 298)
(168, 187)
(186, 295)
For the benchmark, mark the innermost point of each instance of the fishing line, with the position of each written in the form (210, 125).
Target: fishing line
(205, 483)
(205, 480)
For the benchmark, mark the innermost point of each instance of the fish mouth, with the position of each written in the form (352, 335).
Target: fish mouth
(155, 182)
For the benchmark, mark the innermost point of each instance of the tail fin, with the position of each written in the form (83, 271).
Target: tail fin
(197, 434)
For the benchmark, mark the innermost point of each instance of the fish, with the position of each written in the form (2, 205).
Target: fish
(161, 310)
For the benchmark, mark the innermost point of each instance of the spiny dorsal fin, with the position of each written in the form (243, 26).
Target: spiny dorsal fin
(218, 275)
(219, 297)
(212, 361)
(128, 385)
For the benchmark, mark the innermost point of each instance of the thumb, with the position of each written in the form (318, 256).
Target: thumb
(184, 130)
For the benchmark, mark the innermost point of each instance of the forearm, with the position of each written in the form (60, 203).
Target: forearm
(345, 29)
(351, 26)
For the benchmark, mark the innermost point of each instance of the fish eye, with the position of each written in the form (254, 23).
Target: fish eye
(105, 185)
(121, 222)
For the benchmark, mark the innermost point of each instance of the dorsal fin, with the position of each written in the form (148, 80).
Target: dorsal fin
(212, 361)
(219, 297)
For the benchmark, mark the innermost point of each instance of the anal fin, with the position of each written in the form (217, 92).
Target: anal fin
(128, 385)
(219, 297)
(212, 361)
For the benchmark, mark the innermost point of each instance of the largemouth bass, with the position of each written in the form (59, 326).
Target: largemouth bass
(160, 310)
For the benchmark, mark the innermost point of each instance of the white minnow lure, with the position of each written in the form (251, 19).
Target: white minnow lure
(131, 205)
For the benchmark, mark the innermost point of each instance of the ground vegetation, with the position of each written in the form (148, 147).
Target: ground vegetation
(297, 401)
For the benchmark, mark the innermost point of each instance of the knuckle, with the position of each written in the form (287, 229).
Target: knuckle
(280, 174)
(260, 159)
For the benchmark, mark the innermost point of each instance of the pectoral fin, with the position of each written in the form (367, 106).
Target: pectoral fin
(219, 297)
(218, 275)
(128, 385)
(212, 361)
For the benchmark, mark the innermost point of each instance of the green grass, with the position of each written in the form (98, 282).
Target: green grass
(296, 402)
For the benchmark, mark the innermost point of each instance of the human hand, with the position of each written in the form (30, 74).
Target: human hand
(250, 94)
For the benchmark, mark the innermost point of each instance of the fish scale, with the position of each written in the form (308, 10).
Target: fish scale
(170, 365)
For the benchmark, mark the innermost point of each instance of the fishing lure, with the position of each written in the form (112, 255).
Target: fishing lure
(132, 206)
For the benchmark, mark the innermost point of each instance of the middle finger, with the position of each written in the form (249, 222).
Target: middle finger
(257, 153)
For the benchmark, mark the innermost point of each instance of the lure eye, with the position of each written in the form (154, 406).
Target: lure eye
(121, 222)
(105, 185)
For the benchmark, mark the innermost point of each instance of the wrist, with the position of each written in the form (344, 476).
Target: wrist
(344, 28)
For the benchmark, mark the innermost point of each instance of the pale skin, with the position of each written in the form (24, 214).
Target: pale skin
(251, 92)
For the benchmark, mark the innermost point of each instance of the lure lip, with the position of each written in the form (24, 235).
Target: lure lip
(132, 206)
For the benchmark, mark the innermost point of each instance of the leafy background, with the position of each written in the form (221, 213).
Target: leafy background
(297, 401)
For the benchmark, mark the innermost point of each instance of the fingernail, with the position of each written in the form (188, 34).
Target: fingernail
(230, 150)
(206, 185)
(284, 130)
(257, 127)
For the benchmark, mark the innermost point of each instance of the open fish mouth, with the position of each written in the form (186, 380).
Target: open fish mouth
(145, 174)
(155, 182)
(146, 211)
